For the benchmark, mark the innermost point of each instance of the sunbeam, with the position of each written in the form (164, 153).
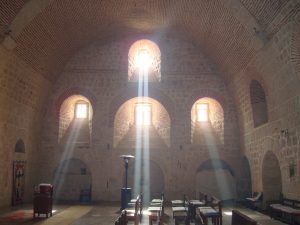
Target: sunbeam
(67, 154)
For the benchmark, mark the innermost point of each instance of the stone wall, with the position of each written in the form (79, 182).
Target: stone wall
(22, 95)
(187, 75)
(275, 67)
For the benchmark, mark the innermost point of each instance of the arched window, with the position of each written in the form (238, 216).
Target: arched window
(144, 61)
(258, 103)
(81, 110)
(75, 119)
(207, 120)
(145, 117)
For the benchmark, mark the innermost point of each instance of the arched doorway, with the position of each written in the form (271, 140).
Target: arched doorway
(70, 177)
(156, 184)
(216, 178)
(244, 185)
(271, 177)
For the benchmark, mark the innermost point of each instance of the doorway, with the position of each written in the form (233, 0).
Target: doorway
(271, 178)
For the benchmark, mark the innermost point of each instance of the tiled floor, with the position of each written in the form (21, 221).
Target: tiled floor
(106, 213)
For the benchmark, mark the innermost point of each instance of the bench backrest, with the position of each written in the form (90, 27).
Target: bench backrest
(258, 197)
(202, 196)
(297, 204)
(239, 218)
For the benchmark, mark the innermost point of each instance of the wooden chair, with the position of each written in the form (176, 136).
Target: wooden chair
(134, 214)
(212, 211)
(182, 213)
(122, 220)
(156, 213)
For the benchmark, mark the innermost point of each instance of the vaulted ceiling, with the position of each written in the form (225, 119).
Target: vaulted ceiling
(46, 33)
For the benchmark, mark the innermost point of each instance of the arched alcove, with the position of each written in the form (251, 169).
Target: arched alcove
(151, 179)
(20, 146)
(216, 177)
(258, 103)
(126, 127)
(144, 53)
(271, 177)
(70, 177)
(74, 127)
(207, 122)
(244, 184)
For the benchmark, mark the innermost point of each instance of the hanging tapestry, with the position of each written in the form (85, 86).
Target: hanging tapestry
(18, 182)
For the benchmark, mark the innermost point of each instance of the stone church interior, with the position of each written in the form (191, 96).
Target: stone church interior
(174, 112)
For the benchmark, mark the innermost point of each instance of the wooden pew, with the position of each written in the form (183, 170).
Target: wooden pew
(256, 201)
(286, 210)
(239, 218)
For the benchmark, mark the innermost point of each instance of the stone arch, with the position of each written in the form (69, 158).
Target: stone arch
(132, 92)
(70, 128)
(74, 91)
(150, 50)
(209, 93)
(244, 183)
(227, 106)
(259, 103)
(212, 130)
(271, 177)
(70, 177)
(126, 130)
(219, 177)
(156, 184)
(20, 146)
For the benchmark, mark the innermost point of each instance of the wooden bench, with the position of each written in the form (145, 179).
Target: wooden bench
(239, 218)
(255, 202)
(286, 210)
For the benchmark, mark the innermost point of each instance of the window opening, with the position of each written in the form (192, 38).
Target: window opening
(143, 59)
(143, 114)
(202, 112)
(81, 111)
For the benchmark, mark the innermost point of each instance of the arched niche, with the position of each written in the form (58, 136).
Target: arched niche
(271, 177)
(147, 177)
(126, 130)
(244, 184)
(20, 146)
(74, 129)
(209, 130)
(144, 53)
(70, 177)
(216, 177)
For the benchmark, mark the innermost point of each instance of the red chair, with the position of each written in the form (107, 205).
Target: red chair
(43, 200)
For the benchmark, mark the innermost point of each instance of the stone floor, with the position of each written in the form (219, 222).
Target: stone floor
(106, 213)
